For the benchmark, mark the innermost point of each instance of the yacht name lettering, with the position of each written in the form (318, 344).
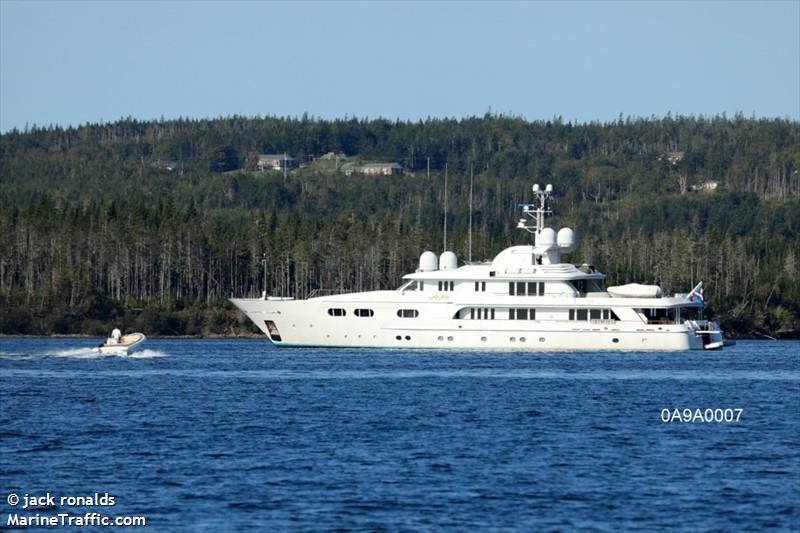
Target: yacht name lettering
(708, 415)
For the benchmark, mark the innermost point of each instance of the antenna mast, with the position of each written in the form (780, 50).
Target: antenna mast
(445, 207)
(471, 164)
(537, 210)
(264, 262)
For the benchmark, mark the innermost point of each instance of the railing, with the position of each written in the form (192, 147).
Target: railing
(321, 292)
(661, 321)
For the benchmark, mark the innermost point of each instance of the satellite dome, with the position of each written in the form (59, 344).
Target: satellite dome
(566, 240)
(546, 237)
(448, 261)
(428, 261)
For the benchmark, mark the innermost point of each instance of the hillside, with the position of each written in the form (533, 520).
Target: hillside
(153, 225)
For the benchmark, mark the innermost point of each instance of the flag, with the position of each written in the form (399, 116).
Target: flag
(697, 294)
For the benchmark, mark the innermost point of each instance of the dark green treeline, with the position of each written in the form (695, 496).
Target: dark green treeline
(152, 225)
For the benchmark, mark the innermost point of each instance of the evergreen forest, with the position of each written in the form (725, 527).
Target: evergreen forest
(152, 225)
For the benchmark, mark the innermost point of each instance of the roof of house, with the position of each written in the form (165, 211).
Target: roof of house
(382, 165)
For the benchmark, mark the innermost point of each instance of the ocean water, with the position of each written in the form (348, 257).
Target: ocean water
(232, 435)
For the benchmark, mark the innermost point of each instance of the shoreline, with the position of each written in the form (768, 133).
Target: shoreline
(256, 336)
(86, 336)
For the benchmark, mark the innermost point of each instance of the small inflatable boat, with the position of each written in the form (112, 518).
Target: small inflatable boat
(126, 344)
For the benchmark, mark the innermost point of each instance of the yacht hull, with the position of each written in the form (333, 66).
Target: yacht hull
(306, 323)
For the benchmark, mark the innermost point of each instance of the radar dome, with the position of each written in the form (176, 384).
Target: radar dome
(566, 240)
(546, 237)
(448, 261)
(428, 261)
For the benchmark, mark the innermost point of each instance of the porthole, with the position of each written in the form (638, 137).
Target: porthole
(615, 339)
(399, 338)
(522, 339)
(407, 313)
(364, 312)
(449, 338)
(513, 339)
(408, 337)
(483, 339)
(440, 338)
(337, 312)
(541, 339)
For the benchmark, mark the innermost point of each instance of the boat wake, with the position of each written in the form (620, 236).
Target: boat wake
(146, 354)
(84, 353)
(76, 353)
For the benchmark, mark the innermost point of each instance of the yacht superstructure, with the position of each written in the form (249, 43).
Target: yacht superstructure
(524, 299)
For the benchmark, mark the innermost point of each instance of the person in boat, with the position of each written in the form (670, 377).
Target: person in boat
(116, 336)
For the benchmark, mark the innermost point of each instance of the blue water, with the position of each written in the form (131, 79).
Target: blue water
(210, 435)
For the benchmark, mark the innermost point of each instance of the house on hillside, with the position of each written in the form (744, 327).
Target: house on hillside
(710, 185)
(372, 169)
(673, 157)
(276, 162)
(333, 155)
(348, 169)
(381, 169)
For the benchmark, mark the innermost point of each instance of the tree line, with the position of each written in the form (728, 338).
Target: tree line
(95, 228)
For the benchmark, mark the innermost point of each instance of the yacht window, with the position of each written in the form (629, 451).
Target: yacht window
(446, 286)
(594, 314)
(520, 314)
(407, 313)
(364, 312)
(480, 286)
(582, 314)
(660, 315)
(582, 286)
(691, 313)
(472, 313)
(572, 314)
(492, 313)
(522, 288)
(337, 312)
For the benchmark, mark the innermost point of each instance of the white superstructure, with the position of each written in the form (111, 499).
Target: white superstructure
(525, 299)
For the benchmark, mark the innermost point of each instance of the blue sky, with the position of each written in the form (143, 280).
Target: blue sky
(70, 63)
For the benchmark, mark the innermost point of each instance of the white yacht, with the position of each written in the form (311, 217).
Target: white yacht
(525, 299)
